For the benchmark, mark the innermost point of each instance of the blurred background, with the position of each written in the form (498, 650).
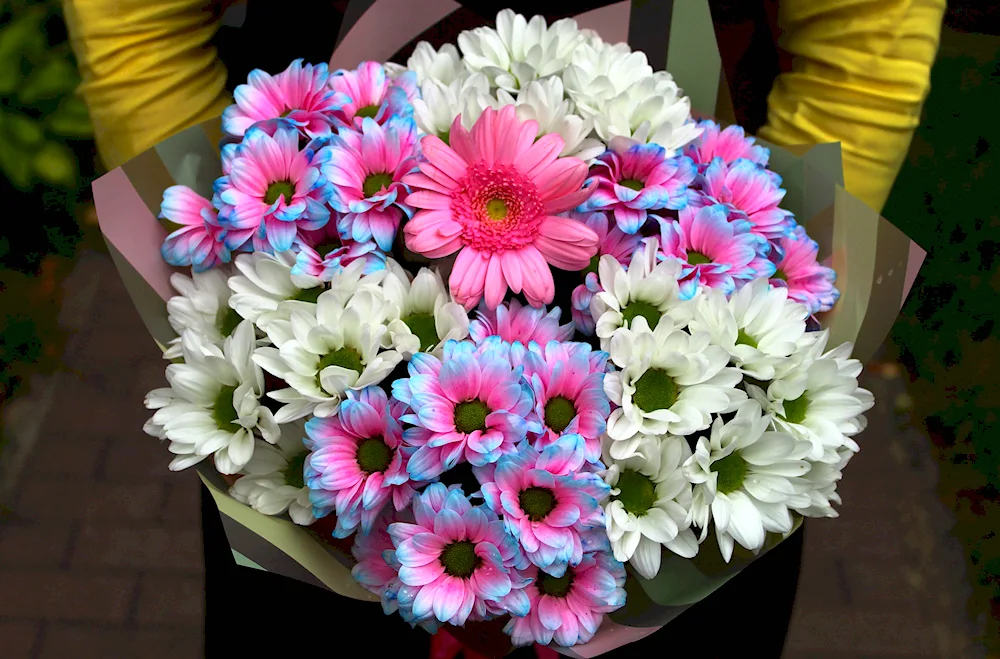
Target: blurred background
(935, 384)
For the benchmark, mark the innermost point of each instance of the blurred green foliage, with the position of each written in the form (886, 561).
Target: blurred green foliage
(946, 199)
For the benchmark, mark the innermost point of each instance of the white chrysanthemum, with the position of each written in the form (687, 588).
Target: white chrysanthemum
(670, 382)
(202, 305)
(816, 397)
(649, 503)
(444, 65)
(213, 404)
(272, 482)
(425, 316)
(823, 479)
(746, 479)
(599, 71)
(650, 110)
(439, 103)
(518, 50)
(266, 289)
(646, 289)
(544, 101)
(322, 354)
(758, 325)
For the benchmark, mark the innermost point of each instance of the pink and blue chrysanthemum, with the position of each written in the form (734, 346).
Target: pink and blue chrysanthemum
(467, 406)
(797, 269)
(298, 97)
(567, 380)
(730, 144)
(751, 192)
(273, 190)
(569, 609)
(323, 253)
(366, 168)
(199, 240)
(515, 323)
(373, 94)
(358, 462)
(454, 558)
(633, 180)
(546, 502)
(613, 242)
(713, 251)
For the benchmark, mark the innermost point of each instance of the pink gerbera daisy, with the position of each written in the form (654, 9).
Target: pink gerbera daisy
(493, 196)
(323, 253)
(199, 240)
(613, 242)
(796, 268)
(569, 609)
(373, 94)
(546, 502)
(468, 405)
(273, 190)
(298, 95)
(366, 169)
(730, 144)
(454, 558)
(357, 462)
(750, 191)
(713, 251)
(633, 179)
(567, 380)
(515, 323)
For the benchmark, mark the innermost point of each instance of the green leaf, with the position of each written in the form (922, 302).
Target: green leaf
(71, 119)
(24, 129)
(51, 80)
(14, 161)
(56, 164)
(19, 39)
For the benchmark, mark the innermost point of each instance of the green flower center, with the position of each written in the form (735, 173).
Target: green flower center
(224, 412)
(644, 309)
(559, 411)
(325, 248)
(309, 294)
(744, 339)
(344, 358)
(445, 136)
(228, 320)
(470, 416)
(595, 262)
(555, 586)
(277, 189)
(779, 274)
(424, 327)
(655, 390)
(375, 183)
(367, 111)
(795, 410)
(459, 559)
(496, 209)
(632, 184)
(637, 492)
(731, 469)
(374, 455)
(697, 258)
(537, 502)
(295, 471)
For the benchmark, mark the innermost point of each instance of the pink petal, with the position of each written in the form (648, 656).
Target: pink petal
(443, 157)
(468, 277)
(496, 284)
(449, 525)
(560, 178)
(460, 379)
(429, 199)
(462, 142)
(449, 597)
(565, 256)
(422, 575)
(540, 155)
(537, 281)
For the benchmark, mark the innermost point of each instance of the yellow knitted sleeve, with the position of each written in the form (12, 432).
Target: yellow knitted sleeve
(860, 76)
(148, 70)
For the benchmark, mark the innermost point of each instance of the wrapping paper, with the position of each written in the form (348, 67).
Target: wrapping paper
(876, 265)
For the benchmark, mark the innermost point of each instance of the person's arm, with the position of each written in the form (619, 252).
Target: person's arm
(148, 69)
(861, 73)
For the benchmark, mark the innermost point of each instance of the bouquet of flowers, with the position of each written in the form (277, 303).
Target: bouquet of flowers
(512, 333)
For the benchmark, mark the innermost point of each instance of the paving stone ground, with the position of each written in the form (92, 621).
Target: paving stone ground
(101, 556)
